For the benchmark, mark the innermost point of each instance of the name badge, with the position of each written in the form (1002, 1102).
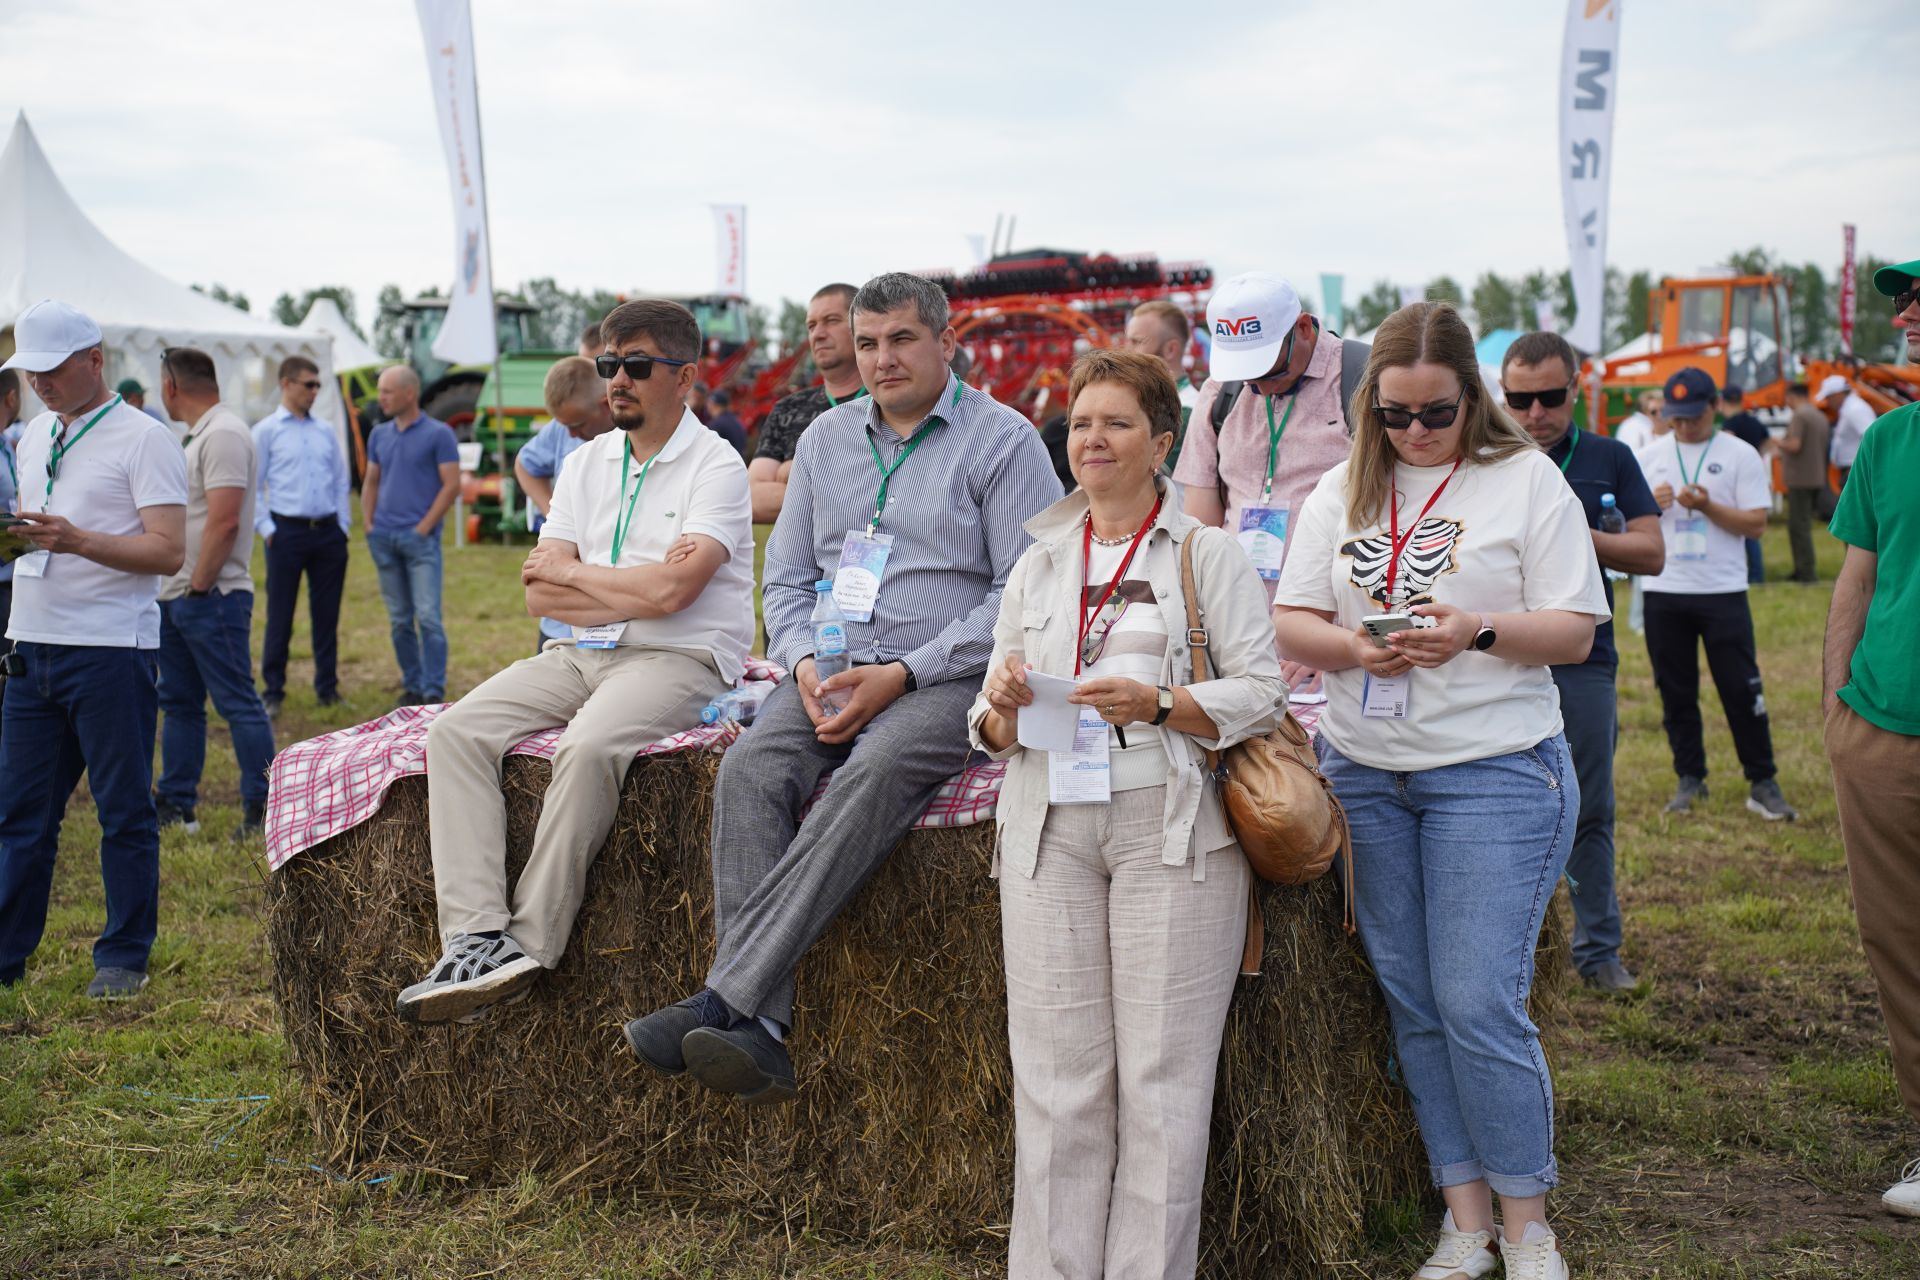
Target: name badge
(1690, 538)
(1263, 535)
(605, 636)
(1385, 697)
(1083, 775)
(863, 562)
(32, 565)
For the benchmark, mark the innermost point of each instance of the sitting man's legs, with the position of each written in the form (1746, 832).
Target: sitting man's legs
(613, 702)
(778, 883)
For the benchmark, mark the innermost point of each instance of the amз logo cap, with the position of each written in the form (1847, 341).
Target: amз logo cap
(1248, 318)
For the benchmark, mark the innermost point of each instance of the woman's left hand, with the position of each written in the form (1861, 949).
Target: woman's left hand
(1439, 644)
(1119, 700)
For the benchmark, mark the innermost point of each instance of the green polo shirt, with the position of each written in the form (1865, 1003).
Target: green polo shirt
(1880, 512)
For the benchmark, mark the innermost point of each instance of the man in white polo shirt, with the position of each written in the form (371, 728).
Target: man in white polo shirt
(654, 642)
(1713, 494)
(103, 493)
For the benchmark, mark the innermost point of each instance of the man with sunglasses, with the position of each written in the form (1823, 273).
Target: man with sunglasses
(303, 511)
(1872, 705)
(923, 489)
(1538, 376)
(653, 642)
(1714, 493)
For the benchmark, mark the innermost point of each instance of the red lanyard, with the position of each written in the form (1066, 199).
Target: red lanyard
(1399, 543)
(1086, 570)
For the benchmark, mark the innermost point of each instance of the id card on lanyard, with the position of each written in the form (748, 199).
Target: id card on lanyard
(35, 563)
(607, 634)
(1263, 528)
(1690, 527)
(1388, 697)
(864, 552)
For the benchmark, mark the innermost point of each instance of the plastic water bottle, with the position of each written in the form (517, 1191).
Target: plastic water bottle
(739, 705)
(1611, 521)
(830, 655)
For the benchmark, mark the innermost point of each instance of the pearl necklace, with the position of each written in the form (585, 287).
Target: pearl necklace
(1120, 541)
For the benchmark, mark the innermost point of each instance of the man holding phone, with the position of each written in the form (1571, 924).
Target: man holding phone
(80, 694)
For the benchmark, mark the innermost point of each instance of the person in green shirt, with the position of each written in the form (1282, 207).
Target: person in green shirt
(1872, 705)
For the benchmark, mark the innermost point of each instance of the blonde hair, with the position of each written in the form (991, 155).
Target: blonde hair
(572, 381)
(1422, 333)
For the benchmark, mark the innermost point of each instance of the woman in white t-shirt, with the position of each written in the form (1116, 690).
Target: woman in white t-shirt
(1445, 748)
(1123, 897)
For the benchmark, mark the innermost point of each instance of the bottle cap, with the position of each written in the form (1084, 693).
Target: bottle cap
(1606, 500)
(709, 714)
(825, 584)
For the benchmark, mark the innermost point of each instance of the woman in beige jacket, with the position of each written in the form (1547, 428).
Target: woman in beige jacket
(1123, 895)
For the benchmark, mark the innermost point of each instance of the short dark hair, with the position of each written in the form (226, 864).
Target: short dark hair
(841, 287)
(9, 381)
(590, 336)
(670, 325)
(1732, 393)
(190, 368)
(1798, 389)
(721, 399)
(1540, 347)
(294, 366)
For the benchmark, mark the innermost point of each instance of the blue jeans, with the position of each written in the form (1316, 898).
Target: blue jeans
(1756, 567)
(79, 709)
(409, 567)
(1453, 869)
(1590, 706)
(204, 652)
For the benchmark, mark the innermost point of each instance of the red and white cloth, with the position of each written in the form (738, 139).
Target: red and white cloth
(335, 782)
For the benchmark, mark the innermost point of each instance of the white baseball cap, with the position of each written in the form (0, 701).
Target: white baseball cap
(1249, 317)
(47, 333)
(1833, 386)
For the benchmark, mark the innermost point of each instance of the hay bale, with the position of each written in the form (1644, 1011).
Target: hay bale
(902, 1129)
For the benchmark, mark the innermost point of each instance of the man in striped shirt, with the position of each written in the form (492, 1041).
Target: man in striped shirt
(940, 479)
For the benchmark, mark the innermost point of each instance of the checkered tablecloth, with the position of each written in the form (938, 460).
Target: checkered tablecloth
(333, 783)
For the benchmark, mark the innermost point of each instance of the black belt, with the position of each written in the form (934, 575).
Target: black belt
(306, 522)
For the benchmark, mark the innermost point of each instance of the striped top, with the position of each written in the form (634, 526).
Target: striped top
(954, 510)
(1135, 649)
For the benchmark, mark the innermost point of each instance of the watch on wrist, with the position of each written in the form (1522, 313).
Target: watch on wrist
(1484, 638)
(912, 684)
(1166, 705)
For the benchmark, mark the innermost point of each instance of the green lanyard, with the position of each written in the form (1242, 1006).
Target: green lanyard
(623, 519)
(1684, 480)
(1273, 442)
(1182, 383)
(834, 404)
(1571, 446)
(886, 472)
(61, 448)
(13, 473)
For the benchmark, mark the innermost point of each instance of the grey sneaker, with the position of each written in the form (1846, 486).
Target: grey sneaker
(116, 984)
(470, 974)
(1611, 977)
(1764, 798)
(1689, 790)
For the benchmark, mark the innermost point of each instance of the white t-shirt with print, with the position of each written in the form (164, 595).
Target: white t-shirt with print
(1703, 558)
(1503, 537)
(696, 484)
(1135, 648)
(126, 462)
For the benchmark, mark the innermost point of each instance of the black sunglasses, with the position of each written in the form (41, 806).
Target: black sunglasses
(1901, 301)
(639, 368)
(1435, 417)
(311, 384)
(1521, 401)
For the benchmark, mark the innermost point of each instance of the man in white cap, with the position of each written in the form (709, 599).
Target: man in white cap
(80, 693)
(1851, 416)
(1271, 419)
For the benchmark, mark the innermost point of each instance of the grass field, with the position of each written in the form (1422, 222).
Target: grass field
(1737, 1118)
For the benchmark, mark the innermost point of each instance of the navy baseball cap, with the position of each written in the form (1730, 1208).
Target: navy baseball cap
(1689, 394)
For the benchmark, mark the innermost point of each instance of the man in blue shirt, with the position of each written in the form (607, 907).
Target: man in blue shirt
(1539, 376)
(303, 512)
(134, 393)
(413, 476)
(726, 424)
(577, 398)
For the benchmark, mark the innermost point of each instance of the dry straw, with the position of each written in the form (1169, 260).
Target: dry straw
(902, 1130)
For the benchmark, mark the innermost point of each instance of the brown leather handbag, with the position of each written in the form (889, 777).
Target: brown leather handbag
(1280, 806)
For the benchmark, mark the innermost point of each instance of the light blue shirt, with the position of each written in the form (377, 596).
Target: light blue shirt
(543, 456)
(302, 471)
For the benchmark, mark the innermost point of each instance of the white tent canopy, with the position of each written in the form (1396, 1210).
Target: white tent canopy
(350, 350)
(49, 248)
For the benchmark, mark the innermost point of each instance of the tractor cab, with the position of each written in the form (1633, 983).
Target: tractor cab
(449, 391)
(1737, 328)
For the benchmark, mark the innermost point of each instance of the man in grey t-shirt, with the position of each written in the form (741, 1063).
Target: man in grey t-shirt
(206, 609)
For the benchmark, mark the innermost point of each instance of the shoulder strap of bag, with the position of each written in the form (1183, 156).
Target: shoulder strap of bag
(1196, 628)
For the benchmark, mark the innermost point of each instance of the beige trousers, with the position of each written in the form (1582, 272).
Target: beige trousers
(612, 702)
(1876, 787)
(1119, 970)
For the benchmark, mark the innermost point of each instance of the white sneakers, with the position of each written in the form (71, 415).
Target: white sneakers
(1536, 1257)
(1903, 1197)
(1461, 1255)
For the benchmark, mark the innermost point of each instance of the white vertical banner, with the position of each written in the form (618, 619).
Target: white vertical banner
(1588, 62)
(1332, 286)
(468, 335)
(730, 249)
(978, 244)
(1543, 313)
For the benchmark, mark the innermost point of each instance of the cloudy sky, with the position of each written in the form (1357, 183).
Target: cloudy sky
(272, 146)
